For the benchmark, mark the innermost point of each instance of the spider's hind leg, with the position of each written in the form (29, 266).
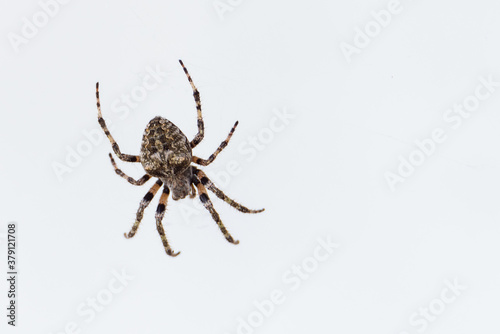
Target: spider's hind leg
(144, 203)
(207, 203)
(209, 184)
(160, 212)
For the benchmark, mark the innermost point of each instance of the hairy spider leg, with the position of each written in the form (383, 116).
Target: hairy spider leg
(201, 127)
(114, 145)
(209, 184)
(118, 171)
(144, 204)
(207, 203)
(222, 146)
(160, 212)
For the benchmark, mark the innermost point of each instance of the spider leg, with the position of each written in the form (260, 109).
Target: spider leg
(222, 145)
(207, 203)
(192, 193)
(201, 128)
(118, 171)
(209, 184)
(160, 212)
(116, 149)
(144, 203)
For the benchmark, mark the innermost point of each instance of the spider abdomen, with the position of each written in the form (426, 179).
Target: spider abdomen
(165, 150)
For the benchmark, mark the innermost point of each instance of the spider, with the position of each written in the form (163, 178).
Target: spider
(166, 154)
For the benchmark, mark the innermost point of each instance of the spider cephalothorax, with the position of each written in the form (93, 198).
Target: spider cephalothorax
(166, 154)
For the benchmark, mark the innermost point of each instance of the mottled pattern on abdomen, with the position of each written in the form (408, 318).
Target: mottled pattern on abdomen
(165, 150)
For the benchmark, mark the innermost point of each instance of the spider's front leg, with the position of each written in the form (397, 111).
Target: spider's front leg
(118, 171)
(160, 212)
(201, 127)
(222, 145)
(114, 145)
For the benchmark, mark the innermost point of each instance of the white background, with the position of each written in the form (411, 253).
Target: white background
(323, 175)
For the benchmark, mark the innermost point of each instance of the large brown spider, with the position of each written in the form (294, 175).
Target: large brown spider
(166, 154)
